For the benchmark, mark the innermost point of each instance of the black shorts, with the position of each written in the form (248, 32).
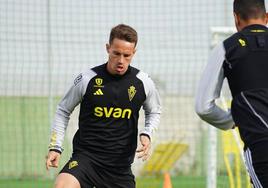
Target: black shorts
(91, 175)
(256, 159)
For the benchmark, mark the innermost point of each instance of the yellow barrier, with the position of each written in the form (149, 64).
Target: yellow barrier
(164, 157)
(230, 148)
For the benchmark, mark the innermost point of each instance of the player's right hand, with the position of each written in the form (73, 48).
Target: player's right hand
(143, 150)
(52, 159)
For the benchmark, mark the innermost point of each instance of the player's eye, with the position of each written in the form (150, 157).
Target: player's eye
(126, 55)
(116, 53)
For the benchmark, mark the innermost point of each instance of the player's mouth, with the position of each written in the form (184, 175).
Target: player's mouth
(120, 68)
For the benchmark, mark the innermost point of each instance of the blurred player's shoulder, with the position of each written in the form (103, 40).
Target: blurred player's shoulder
(234, 41)
(236, 46)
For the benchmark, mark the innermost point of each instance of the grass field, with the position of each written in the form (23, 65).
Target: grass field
(23, 144)
(24, 135)
(178, 182)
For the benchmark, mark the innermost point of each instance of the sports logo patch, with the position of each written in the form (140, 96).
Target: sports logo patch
(78, 79)
(53, 139)
(242, 42)
(73, 164)
(98, 92)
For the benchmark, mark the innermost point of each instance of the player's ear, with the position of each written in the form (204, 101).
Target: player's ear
(134, 51)
(266, 18)
(236, 18)
(237, 21)
(108, 47)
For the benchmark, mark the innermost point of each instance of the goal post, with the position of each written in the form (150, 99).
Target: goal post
(218, 34)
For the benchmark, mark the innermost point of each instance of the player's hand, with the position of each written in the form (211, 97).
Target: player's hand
(52, 159)
(143, 150)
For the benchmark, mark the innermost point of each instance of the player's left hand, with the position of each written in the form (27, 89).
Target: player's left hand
(143, 150)
(52, 159)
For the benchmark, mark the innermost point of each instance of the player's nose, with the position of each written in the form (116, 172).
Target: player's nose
(121, 59)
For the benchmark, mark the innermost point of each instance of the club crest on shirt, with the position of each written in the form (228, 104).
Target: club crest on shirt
(131, 92)
(73, 164)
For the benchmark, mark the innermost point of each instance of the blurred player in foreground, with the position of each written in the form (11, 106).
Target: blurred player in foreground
(110, 98)
(243, 60)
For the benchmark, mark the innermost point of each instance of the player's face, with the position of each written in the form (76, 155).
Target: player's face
(120, 55)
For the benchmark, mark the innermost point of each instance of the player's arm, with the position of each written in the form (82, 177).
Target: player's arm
(152, 109)
(209, 89)
(64, 109)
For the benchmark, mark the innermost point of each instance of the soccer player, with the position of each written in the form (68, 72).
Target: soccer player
(243, 60)
(110, 98)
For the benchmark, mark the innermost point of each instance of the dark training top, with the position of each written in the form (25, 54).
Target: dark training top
(246, 69)
(246, 63)
(109, 112)
(243, 60)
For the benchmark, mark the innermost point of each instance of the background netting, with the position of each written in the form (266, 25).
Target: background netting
(43, 46)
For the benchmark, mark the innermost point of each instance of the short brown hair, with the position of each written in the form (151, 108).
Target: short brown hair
(249, 9)
(123, 32)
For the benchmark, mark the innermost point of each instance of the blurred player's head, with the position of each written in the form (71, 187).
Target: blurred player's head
(247, 12)
(121, 48)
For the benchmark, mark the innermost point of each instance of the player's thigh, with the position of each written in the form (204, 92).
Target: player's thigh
(79, 167)
(256, 159)
(122, 178)
(65, 180)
